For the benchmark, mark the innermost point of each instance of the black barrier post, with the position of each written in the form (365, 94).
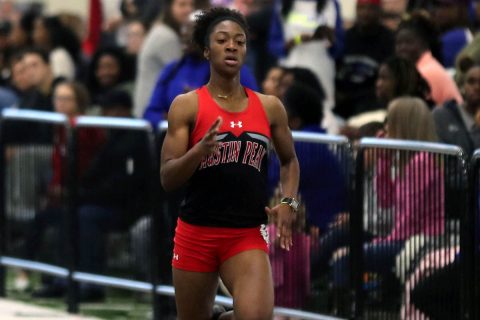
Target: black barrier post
(71, 221)
(356, 244)
(155, 227)
(3, 238)
(470, 282)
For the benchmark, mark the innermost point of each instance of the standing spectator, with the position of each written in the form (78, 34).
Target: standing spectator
(62, 44)
(315, 38)
(367, 44)
(161, 46)
(108, 70)
(417, 41)
(459, 123)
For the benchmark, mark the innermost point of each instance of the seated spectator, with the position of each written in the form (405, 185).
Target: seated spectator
(459, 123)
(61, 43)
(109, 70)
(417, 182)
(21, 35)
(42, 79)
(397, 77)
(417, 41)
(70, 99)
(113, 189)
(308, 78)
(271, 83)
(367, 44)
(323, 195)
(39, 97)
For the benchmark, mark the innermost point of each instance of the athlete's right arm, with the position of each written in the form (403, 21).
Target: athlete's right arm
(178, 163)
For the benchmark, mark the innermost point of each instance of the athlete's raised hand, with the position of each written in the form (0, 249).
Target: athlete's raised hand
(283, 216)
(209, 142)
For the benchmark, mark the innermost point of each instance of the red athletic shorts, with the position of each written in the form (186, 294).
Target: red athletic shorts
(204, 249)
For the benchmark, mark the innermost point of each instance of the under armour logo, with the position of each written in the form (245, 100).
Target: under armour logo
(238, 124)
(175, 257)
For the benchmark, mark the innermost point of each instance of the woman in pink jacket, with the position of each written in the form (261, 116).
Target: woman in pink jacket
(410, 183)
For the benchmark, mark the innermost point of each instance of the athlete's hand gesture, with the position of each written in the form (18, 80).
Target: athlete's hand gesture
(283, 216)
(209, 142)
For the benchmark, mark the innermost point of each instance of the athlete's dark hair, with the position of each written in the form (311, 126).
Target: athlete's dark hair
(207, 20)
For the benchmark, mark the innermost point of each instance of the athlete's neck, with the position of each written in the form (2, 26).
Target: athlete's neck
(225, 88)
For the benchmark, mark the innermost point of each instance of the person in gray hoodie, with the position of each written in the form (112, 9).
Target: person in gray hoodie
(459, 124)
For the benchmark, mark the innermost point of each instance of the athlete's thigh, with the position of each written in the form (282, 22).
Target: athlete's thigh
(248, 277)
(194, 294)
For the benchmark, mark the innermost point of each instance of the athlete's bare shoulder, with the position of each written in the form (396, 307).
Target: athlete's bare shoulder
(273, 107)
(185, 107)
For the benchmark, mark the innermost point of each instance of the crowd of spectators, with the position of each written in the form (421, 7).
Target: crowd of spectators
(333, 76)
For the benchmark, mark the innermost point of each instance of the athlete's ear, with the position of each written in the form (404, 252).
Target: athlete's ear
(206, 53)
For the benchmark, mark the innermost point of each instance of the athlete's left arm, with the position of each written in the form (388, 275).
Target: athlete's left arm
(289, 168)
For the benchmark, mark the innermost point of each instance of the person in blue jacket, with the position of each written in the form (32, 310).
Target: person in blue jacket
(322, 181)
(190, 72)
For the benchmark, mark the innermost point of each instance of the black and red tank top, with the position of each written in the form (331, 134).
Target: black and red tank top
(229, 187)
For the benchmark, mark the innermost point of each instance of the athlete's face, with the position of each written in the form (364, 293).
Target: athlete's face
(227, 47)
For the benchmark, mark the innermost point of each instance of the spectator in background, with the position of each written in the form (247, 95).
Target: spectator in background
(314, 39)
(266, 42)
(397, 77)
(453, 21)
(418, 182)
(136, 31)
(113, 190)
(459, 123)
(322, 192)
(417, 41)
(165, 34)
(367, 44)
(5, 29)
(70, 99)
(108, 70)
(308, 78)
(21, 35)
(271, 83)
(188, 73)
(19, 81)
(62, 44)
(42, 79)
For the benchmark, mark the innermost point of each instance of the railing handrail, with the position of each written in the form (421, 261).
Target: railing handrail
(113, 123)
(34, 115)
(476, 154)
(411, 145)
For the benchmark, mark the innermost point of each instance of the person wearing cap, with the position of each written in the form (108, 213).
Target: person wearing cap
(367, 44)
